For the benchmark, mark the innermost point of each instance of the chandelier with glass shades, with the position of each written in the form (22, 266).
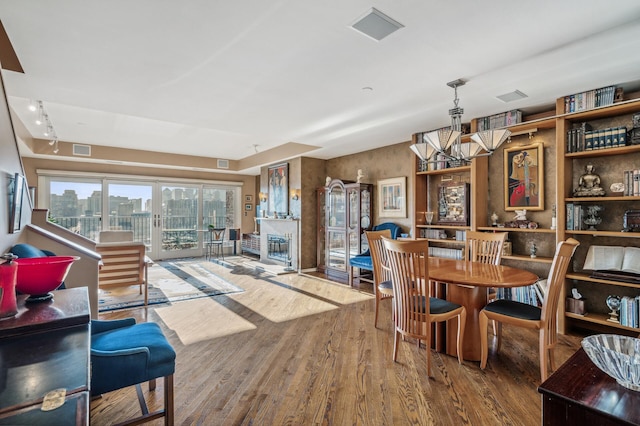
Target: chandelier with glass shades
(446, 142)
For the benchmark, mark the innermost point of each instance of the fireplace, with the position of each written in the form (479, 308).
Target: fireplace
(279, 241)
(278, 247)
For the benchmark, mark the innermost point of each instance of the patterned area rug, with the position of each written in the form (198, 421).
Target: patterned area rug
(169, 281)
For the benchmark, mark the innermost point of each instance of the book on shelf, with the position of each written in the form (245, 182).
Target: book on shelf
(502, 119)
(584, 138)
(574, 217)
(629, 308)
(447, 253)
(590, 99)
(613, 258)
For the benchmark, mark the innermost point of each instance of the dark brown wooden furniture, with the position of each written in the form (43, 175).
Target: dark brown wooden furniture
(46, 347)
(467, 284)
(580, 394)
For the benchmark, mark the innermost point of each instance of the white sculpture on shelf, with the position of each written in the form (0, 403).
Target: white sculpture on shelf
(521, 215)
(361, 175)
(327, 181)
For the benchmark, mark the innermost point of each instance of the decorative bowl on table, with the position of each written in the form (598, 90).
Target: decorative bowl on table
(38, 276)
(618, 356)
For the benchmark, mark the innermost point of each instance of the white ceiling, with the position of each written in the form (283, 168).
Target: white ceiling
(213, 78)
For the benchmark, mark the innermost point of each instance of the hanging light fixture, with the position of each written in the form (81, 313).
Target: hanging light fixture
(447, 142)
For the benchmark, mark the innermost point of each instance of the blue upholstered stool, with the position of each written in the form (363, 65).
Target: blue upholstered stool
(124, 353)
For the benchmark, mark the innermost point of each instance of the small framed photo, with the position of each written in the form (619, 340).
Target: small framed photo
(636, 120)
(248, 199)
(248, 206)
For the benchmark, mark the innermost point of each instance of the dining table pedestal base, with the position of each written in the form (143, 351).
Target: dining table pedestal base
(473, 299)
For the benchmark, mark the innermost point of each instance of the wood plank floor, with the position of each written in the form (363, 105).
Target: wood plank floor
(298, 350)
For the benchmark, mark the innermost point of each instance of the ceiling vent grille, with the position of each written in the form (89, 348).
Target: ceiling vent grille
(376, 25)
(82, 150)
(223, 164)
(516, 95)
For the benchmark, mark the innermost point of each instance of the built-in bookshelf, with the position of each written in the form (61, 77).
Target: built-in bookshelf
(595, 115)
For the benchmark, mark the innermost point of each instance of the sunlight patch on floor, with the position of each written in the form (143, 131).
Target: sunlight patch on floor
(186, 320)
(278, 304)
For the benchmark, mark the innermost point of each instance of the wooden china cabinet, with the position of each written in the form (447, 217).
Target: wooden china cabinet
(344, 213)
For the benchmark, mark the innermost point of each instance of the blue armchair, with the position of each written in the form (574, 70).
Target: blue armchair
(363, 260)
(124, 353)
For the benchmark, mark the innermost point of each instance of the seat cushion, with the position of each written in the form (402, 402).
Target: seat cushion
(362, 262)
(514, 309)
(161, 361)
(438, 306)
(23, 250)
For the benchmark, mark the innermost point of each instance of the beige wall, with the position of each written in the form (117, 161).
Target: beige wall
(9, 165)
(382, 163)
(248, 187)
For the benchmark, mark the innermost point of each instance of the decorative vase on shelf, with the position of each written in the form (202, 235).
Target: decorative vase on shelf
(593, 217)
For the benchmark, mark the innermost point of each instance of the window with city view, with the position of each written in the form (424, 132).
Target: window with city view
(165, 217)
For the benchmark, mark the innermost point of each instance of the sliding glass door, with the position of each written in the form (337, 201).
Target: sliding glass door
(177, 221)
(170, 218)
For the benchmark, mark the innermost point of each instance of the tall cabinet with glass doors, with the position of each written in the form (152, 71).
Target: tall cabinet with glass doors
(344, 213)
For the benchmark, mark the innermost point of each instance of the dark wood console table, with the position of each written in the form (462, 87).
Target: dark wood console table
(579, 393)
(46, 347)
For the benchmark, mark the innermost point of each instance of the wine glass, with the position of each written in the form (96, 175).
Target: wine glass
(429, 217)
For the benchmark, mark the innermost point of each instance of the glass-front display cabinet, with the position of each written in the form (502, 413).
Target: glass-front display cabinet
(344, 213)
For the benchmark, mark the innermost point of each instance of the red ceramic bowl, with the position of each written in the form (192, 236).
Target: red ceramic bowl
(40, 275)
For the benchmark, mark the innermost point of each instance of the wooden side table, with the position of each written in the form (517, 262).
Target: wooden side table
(46, 346)
(580, 394)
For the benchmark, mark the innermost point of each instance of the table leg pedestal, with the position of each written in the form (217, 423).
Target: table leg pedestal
(473, 299)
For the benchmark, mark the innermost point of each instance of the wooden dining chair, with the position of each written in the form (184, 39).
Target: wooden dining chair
(414, 308)
(382, 286)
(485, 247)
(524, 315)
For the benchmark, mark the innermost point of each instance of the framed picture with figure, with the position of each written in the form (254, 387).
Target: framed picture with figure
(524, 177)
(278, 199)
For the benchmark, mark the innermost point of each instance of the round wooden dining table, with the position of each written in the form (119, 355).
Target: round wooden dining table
(466, 283)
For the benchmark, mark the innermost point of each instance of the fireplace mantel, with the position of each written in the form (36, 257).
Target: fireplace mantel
(271, 226)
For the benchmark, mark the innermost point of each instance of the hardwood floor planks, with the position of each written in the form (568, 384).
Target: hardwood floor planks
(305, 351)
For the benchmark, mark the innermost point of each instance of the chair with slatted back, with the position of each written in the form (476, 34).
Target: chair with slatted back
(415, 309)
(523, 315)
(485, 247)
(382, 286)
(123, 265)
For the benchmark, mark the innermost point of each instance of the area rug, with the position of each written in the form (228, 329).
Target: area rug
(169, 281)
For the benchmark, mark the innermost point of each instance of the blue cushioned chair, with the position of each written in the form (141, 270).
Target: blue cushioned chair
(363, 261)
(124, 353)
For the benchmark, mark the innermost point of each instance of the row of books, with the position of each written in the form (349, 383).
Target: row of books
(629, 311)
(530, 295)
(439, 162)
(574, 217)
(581, 139)
(590, 99)
(437, 234)
(503, 119)
(631, 182)
(447, 253)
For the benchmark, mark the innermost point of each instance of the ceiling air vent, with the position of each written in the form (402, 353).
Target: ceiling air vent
(83, 150)
(223, 164)
(376, 24)
(516, 95)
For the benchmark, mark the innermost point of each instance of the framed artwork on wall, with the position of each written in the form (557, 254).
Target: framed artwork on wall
(248, 206)
(524, 177)
(16, 199)
(248, 198)
(278, 200)
(392, 197)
